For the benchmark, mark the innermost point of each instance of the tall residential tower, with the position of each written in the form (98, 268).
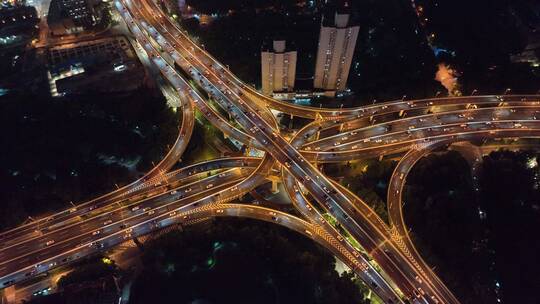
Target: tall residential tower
(337, 41)
(278, 69)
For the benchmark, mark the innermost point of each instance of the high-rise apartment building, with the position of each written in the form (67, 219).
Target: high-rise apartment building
(337, 41)
(278, 68)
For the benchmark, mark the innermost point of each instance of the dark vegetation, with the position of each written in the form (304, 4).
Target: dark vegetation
(71, 149)
(510, 197)
(480, 36)
(472, 253)
(240, 261)
(367, 179)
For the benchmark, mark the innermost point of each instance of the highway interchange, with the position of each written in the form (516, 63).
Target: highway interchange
(387, 259)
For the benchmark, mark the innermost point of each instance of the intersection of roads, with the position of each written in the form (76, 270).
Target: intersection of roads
(386, 259)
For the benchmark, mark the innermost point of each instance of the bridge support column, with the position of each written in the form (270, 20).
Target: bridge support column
(8, 296)
(275, 187)
(291, 122)
(275, 183)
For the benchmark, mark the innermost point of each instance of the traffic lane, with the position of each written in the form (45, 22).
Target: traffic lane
(432, 121)
(173, 177)
(361, 266)
(206, 65)
(87, 238)
(295, 156)
(109, 219)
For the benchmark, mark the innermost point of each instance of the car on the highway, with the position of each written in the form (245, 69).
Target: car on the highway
(49, 243)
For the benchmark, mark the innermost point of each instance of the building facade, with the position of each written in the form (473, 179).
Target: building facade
(337, 41)
(70, 16)
(278, 69)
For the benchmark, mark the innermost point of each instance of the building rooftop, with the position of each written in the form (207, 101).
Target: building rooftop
(277, 46)
(340, 18)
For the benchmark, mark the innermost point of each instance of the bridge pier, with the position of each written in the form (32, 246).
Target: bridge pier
(275, 182)
(8, 296)
(291, 122)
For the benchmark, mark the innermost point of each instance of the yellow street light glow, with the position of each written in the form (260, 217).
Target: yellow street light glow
(106, 261)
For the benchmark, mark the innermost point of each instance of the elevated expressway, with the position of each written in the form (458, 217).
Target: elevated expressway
(213, 78)
(162, 199)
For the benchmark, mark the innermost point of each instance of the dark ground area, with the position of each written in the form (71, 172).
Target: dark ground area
(240, 261)
(480, 259)
(71, 149)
